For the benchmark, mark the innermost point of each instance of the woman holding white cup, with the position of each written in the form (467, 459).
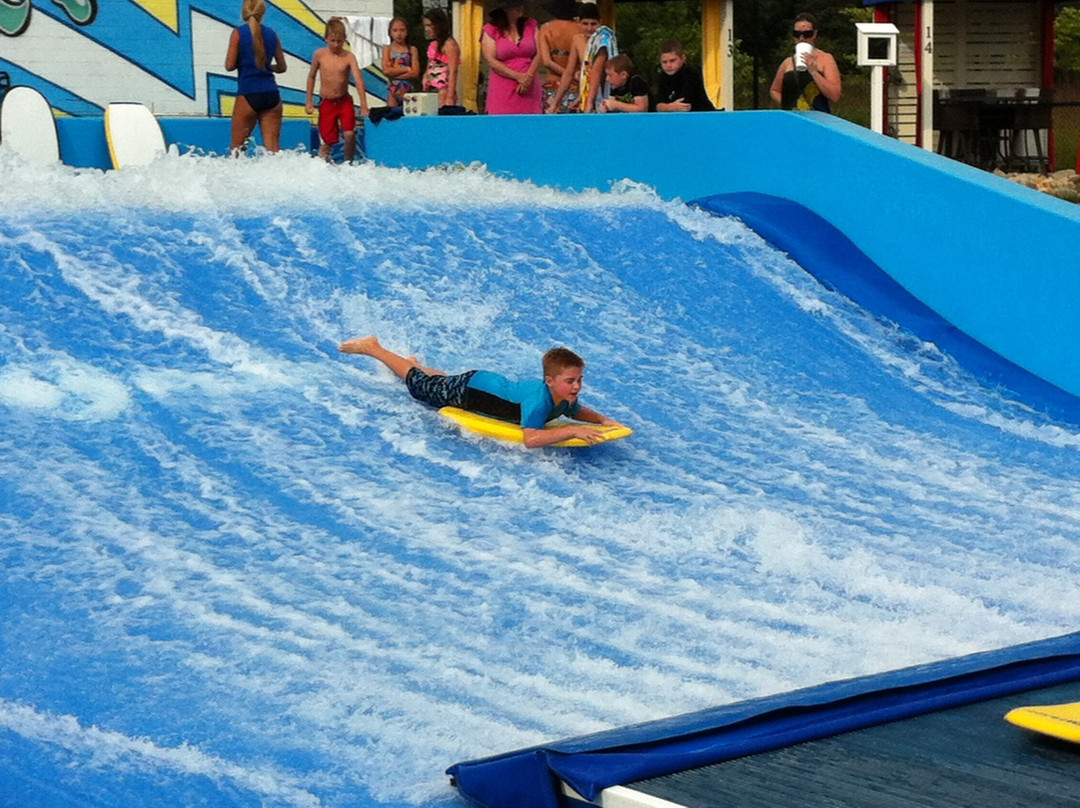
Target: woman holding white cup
(808, 79)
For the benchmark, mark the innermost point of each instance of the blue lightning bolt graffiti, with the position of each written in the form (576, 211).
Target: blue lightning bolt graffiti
(157, 48)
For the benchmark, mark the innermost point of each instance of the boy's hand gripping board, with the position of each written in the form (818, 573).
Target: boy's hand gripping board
(504, 430)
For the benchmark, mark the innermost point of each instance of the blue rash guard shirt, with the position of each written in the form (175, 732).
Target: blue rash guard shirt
(528, 403)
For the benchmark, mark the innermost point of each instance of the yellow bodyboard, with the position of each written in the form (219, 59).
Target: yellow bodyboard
(1057, 720)
(504, 430)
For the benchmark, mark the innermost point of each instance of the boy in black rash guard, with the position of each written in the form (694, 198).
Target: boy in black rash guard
(628, 93)
(530, 403)
(681, 87)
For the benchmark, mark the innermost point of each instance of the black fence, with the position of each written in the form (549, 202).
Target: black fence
(1060, 133)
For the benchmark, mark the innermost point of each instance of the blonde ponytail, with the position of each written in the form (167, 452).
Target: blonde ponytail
(253, 12)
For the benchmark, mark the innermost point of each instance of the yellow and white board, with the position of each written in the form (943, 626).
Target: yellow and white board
(1056, 720)
(504, 430)
(28, 126)
(134, 134)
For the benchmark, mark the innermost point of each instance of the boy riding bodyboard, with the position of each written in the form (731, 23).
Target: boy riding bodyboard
(531, 404)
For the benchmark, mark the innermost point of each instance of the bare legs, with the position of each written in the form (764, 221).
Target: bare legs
(400, 365)
(244, 119)
(349, 141)
(270, 125)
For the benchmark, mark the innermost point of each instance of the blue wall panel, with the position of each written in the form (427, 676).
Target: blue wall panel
(83, 144)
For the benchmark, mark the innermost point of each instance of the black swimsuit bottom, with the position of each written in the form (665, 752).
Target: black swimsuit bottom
(260, 102)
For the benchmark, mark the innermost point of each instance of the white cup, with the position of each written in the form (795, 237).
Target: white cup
(801, 49)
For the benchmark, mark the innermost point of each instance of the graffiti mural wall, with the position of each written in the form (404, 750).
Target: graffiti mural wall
(166, 54)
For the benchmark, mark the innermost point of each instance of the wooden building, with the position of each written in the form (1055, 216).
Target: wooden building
(950, 48)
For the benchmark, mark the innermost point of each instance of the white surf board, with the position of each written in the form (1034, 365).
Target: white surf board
(134, 134)
(28, 126)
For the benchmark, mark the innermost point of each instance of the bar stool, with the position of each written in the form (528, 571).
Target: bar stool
(1031, 120)
(957, 123)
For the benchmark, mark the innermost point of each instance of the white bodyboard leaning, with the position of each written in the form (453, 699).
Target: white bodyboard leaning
(134, 134)
(28, 127)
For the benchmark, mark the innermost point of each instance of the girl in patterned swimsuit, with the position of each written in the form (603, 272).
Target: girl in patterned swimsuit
(444, 57)
(400, 63)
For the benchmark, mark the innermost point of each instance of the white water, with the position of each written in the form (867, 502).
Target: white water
(241, 569)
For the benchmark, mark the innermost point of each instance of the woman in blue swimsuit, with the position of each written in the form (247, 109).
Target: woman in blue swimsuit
(255, 51)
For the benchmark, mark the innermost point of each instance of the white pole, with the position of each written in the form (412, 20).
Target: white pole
(926, 92)
(877, 99)
(727, 61)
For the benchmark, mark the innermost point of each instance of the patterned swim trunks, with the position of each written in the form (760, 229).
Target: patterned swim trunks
(569, 98)
(438, 391)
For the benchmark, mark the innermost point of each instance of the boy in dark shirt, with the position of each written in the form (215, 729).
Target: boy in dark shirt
(629, 93)
(681, 87)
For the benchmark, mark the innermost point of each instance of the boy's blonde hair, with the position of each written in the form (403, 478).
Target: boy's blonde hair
(334, 26)
(559, 359)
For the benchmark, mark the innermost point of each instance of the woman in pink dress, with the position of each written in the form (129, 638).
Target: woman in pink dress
(509, 47)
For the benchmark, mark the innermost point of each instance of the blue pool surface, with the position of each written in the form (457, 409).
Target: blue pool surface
(242, 569)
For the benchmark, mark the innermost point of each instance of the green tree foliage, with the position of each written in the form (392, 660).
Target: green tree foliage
(764, 27)
(1067, 38)
(642, 27)
(764, 31)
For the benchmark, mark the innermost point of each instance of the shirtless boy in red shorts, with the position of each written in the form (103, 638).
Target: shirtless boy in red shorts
(333, 65)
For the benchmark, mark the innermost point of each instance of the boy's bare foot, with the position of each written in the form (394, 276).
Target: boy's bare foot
(401, 365)
(360, 345)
